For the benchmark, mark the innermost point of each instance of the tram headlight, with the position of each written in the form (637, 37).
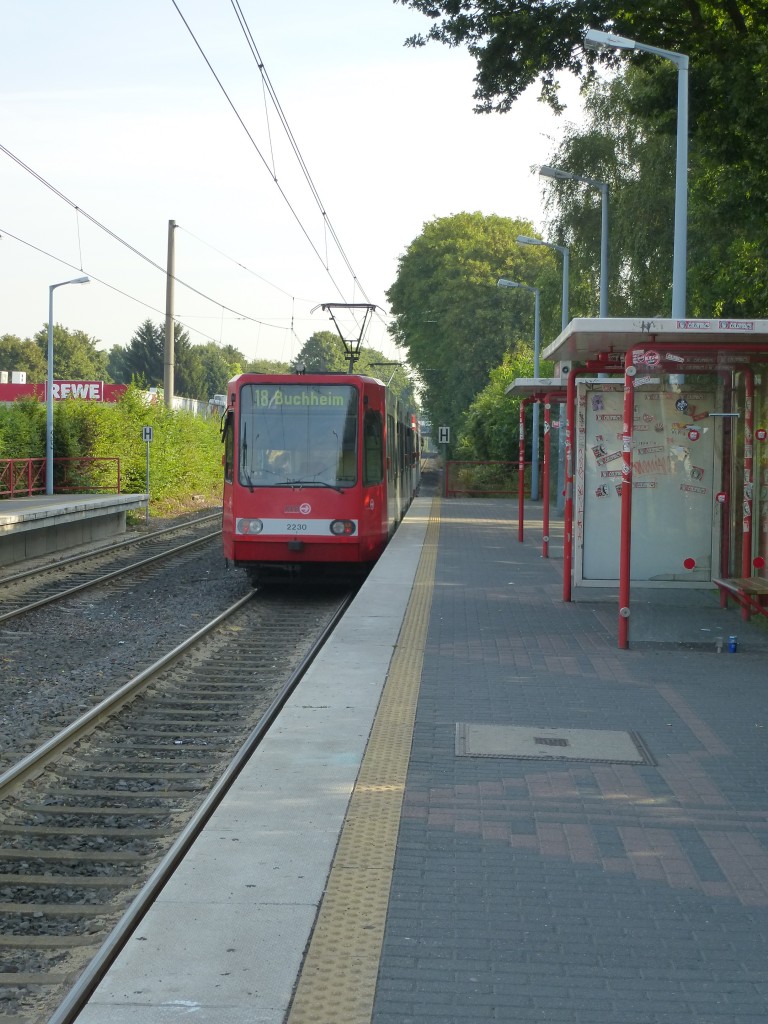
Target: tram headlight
(342, 527)
(249, 527)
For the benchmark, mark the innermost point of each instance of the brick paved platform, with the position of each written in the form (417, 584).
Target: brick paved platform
(387, 855)
(577, 892)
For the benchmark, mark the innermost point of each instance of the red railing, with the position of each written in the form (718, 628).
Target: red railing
(484, 479)
(80, 475)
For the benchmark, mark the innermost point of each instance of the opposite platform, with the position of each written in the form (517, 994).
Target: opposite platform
(38, 525)
(580, 833)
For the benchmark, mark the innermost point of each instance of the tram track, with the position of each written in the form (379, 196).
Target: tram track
(88, 818)
(32, 588)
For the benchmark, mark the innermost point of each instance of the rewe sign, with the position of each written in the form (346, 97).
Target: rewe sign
(90, 389)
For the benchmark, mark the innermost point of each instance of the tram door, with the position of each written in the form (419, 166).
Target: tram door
(676, 469)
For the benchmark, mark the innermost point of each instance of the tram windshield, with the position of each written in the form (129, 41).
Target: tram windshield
(298, 435)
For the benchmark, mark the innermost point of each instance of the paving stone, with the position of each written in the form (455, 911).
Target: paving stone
(577, 892)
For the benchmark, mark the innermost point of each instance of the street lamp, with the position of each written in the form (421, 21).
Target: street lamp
(566, 254)
(524, 240)
(49, 385)
(595, 40)
(554, 172)
(504, 283)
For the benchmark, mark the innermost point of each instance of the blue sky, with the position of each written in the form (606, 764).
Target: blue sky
(114, 106)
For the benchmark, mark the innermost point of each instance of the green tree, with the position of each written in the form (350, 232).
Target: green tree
(516, 43)
(267, 366)
(220, 364)
(491, 428)
(323, 352)
(628, 140)
(25, 356)
(75, 355)
(144, 360)
(453, 321)
(144, 356)
(117, 365)
(189, 377)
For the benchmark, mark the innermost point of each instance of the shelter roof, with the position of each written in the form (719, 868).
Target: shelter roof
(525, 386)
(585, 339)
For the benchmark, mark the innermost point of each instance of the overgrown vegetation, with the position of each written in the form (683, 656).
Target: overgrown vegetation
(185, 453)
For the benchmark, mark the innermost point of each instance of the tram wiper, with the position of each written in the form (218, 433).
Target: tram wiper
(298, 484)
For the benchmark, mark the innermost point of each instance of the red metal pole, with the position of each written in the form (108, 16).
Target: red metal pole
(545, 489)
(725, 484)
(548, 399)
(570, 426)
(521, 472)
(749, 429)
(626, 499)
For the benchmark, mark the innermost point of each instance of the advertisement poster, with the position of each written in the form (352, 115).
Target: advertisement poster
(675, 477)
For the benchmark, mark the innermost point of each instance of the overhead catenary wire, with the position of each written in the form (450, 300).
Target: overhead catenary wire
(122, 241)
(4, 233)
(253, 142)
(328, 226)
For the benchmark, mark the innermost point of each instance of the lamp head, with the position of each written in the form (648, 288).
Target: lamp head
(525, 240)
(596, 40)
(80, 280)
(504, 283)
(554, 172)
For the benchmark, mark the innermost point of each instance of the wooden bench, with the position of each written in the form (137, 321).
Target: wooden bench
(751, 592)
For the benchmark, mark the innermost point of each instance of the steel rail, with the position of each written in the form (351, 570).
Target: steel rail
(108, 577)
(105, 550)
(98, 967)
(34, 762)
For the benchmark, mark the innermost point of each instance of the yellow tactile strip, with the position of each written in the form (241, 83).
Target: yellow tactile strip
(337, 983)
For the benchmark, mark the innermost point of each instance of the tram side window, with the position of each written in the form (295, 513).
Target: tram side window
(391, 448)
(228, 437)
(373, 453)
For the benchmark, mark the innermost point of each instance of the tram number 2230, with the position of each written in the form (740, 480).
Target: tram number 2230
(296, 527)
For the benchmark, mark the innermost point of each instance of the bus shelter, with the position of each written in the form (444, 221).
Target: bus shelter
(666, 465)
(546, 390)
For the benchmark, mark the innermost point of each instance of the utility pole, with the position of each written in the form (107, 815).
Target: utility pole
(170, 273)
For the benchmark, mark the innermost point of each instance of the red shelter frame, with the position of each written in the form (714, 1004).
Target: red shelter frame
(678, 346)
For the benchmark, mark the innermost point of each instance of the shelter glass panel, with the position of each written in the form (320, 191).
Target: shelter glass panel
(675, 470)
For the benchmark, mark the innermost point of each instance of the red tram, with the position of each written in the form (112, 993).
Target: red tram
(319, 469)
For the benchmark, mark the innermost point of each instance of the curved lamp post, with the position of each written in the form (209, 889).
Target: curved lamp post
(566, 254)
(554, 172)
(504, 283)
(595, 40)
(49, 385)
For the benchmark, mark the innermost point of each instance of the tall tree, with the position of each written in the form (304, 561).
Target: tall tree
(628, 140)
(450, 316)
(75, 355)
(144, 355)
(323, 352)
(518, 42)
(189, 378)
(144, 359)
(267, 366)
(24, 356)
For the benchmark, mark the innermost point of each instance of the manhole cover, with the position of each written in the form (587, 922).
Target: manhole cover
(537, 743)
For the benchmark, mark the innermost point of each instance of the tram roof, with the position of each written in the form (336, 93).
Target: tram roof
(585, 339)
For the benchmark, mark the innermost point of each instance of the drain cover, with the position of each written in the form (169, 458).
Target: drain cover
(536, 743)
